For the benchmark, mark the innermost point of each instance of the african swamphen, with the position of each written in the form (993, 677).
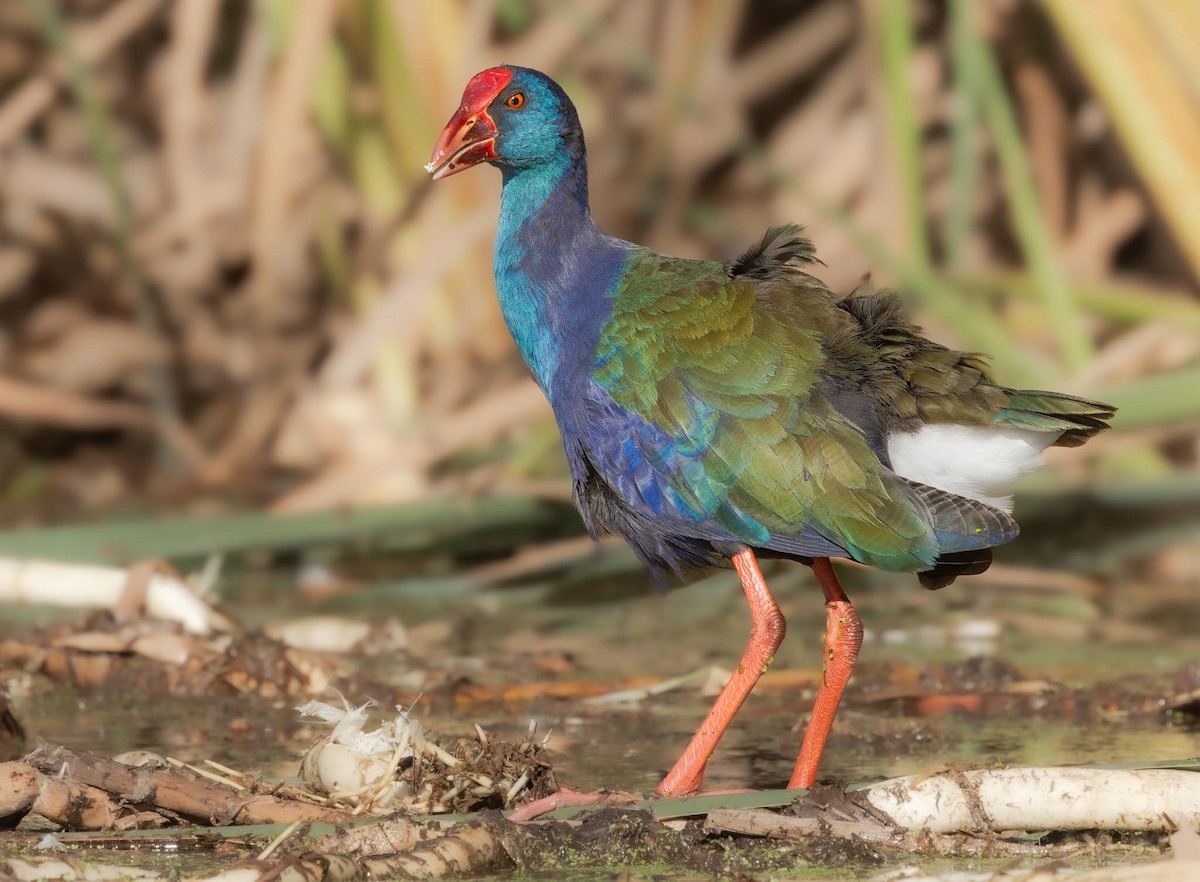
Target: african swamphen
(714, 412)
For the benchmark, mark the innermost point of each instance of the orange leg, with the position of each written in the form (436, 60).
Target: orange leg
(843, 637)
(767, 628)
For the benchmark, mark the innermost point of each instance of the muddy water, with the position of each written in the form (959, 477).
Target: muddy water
(1040, 690)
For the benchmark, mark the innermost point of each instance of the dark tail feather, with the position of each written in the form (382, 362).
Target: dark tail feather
(950, 566)
(1078, 419)
(966, 531)
(960, 524)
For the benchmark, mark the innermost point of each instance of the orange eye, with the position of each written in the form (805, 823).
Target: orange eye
(516, 100)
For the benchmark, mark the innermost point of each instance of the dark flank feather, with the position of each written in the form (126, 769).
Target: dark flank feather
(781, 248)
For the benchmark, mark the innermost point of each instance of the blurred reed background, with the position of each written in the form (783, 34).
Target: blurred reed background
(226, 283)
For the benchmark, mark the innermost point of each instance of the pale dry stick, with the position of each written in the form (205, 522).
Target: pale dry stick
(345, 480)
(462, 853)
(223, 196)
(192, 26)
(243, 111)
(803, 134)
(499, 412)
(695, 679)
(267, 403)
(1047, 129)
(338, 485)
(1143, 350)
(512, 792)
(204, 773)
(553, 40)
(693, 66)
(1104, 224)
(837, 175)
(225, 770)
(93, 43)
(67, 868)
(450, 761)
(1037, 799)
(287, 114)
(81, 585)
(31, 402)
(794, 51)
(20, 400)
(45, 183)
(353, 354)
(283, 837)
(136, 593)
(1148, 102)
(536, 557)
(772, 825)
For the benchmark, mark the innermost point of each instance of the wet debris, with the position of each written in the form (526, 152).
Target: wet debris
(152, 656)
(340, 635)
(1186, 700)
(978, 814)
(397, 767)
(12, 733)
(987, 686)
(86, 792)
(351, 771)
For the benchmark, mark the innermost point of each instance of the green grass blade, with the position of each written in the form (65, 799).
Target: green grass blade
(692, 806)
(1131, 304)
(964, 128)
(411, 526)
(1156, 400)
(1032, 230)
(896, 38)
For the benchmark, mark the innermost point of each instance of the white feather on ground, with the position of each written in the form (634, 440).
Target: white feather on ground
(974, 461)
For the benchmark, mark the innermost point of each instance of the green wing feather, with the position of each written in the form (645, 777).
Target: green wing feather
(757, 372)
(733, 368)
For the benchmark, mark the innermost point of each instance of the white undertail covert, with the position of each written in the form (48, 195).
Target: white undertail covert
(979, 462)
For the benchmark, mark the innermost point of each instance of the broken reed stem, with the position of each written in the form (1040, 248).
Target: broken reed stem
(761, 822)
(188, 795)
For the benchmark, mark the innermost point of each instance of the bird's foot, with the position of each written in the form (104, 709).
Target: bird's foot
(567, 797)
(683, 780)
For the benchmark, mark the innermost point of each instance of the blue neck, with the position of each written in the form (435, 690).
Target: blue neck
(553, 266)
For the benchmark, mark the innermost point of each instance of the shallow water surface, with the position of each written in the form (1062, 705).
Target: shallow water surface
(978, 675)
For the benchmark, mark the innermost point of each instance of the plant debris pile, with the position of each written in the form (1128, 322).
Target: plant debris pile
(397, 768)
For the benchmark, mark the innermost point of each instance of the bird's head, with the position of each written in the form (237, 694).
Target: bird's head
(512, 117)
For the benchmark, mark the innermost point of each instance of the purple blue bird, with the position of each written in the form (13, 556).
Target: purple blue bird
(723, 412)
